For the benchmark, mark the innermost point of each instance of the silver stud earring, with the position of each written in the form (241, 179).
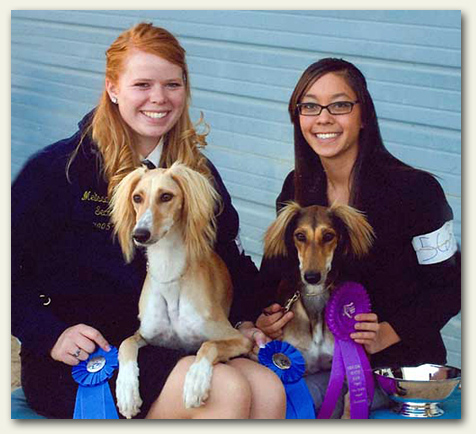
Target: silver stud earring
(114, 100)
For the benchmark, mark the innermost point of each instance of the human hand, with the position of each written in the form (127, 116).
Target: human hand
(273, 319)
(76, 343)
(256, 336)
(374, 336)
(368, 328)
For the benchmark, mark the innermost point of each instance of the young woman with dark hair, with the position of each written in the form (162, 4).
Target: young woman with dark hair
(412, 273)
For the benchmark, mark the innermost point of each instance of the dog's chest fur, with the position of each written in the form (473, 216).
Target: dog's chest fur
(319, 354)
(168, 316)
(310, 335)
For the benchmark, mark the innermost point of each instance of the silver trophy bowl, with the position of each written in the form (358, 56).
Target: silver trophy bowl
(418, 390)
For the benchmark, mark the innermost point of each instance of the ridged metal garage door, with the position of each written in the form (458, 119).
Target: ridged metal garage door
(244, 65)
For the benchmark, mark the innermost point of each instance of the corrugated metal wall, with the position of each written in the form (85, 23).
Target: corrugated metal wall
(244, 65)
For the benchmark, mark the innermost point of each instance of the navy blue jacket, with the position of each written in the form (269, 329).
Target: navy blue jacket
(417, 300)
(66, 267)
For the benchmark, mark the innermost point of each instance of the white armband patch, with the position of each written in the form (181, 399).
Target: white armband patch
(238, 244)
(437, 246)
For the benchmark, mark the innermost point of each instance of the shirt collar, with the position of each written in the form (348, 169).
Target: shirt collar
(154, 156)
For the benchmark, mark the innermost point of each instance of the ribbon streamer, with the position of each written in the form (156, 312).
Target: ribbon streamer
(93, 398)
(350, 360)
(289, 365)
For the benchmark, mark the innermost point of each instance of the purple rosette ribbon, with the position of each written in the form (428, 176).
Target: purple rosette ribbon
(350, 360)
(93, 398)
(289, 365)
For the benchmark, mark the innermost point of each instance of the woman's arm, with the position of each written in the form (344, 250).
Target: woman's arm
(34, 216)
(432, 267)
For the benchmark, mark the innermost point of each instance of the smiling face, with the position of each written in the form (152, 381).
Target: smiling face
(151, 96)
(332, 136)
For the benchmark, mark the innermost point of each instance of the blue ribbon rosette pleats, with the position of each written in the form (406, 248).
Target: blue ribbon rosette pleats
(93, 398)
(350, 360)
(289, 365)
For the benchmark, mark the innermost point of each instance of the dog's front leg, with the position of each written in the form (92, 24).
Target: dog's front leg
(346, 413)
(127, 384)
(199, 376)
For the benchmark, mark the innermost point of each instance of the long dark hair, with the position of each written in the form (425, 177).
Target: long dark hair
(309, 176)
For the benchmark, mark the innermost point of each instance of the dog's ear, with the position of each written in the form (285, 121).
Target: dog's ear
(198, 209)
(275, 237)
(122, 211)
(355, 231)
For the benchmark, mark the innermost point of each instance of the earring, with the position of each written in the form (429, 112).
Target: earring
(114, 100)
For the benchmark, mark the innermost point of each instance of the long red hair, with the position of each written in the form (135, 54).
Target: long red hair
(114, 137)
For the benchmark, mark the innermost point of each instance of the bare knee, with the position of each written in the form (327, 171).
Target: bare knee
(232, 391)
(268, 394)
(260, 376)
(182, 367)
(229, 398)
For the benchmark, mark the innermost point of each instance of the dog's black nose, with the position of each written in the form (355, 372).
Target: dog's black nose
(141, 235)
(312, 277)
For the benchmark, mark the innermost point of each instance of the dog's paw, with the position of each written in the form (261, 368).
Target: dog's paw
(346, 413)
(127, 390)
(197, 384)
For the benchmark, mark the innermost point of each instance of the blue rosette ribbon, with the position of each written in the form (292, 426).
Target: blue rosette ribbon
(93, 398)
(350, 360)
(289, 365)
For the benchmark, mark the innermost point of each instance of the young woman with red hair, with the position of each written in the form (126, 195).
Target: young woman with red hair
(71, 289)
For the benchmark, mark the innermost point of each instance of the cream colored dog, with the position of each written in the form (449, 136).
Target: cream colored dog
(187, 293)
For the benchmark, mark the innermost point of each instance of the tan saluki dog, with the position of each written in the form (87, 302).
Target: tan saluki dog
(317, 240)
(187, 293)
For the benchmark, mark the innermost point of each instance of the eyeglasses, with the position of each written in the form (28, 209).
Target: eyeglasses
(336, 108)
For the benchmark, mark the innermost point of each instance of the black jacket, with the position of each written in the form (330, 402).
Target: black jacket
(66, 267)
(417, 300)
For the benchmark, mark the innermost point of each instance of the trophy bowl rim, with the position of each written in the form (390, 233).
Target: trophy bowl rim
(377, 371)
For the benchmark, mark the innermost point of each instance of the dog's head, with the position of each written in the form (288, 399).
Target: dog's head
(147, 204)
(314, 235)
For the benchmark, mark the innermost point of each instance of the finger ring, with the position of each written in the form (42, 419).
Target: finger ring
(253, 334)
(77, 353)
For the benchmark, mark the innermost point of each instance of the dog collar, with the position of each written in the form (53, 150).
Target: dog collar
(295, 297)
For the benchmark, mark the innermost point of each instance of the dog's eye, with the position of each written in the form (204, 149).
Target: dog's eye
(137, 198)
(166, 197)
(329, 236)
(300, 237)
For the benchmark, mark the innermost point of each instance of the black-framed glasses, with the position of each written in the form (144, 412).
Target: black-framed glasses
(336, 108)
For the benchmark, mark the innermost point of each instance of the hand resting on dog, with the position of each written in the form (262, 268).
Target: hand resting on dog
(257, 337)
